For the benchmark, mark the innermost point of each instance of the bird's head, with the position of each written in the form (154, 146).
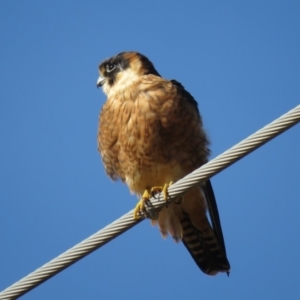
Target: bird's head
(121, 70)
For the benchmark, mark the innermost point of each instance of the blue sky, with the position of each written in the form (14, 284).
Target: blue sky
(239, 59)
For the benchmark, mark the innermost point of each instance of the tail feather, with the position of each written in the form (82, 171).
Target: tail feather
(204, 248)
(203, 240)
(188, 221)
(214, 213)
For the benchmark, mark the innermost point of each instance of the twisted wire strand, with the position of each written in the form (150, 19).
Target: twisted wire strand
(124, 223)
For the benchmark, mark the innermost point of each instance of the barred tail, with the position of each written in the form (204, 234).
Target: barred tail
(203, 240)
(204, 248)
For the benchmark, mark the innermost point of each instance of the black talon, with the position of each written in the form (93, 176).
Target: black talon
(154, 195)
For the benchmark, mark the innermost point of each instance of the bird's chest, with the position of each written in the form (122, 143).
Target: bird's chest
(139, 136)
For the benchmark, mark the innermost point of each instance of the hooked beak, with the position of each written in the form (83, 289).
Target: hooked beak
(100, 81)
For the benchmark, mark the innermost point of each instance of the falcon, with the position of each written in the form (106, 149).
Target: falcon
(150, 135)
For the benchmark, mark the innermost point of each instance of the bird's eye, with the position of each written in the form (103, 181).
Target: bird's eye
(110, 67)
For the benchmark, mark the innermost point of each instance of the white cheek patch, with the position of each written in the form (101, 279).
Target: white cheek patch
(123, 81)
(106, 88)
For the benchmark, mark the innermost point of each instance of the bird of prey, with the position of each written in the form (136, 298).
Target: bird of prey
(150, 135)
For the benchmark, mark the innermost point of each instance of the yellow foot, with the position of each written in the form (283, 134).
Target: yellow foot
(141, 205)
(161, 189)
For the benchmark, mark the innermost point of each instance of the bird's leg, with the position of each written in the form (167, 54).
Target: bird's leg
(140, 207)
(161, 189)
